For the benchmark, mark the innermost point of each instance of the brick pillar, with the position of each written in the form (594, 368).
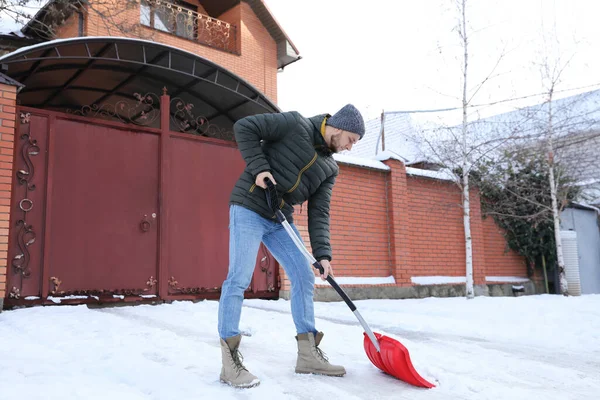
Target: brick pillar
(8, 99)
(398, 221)
(477, 235)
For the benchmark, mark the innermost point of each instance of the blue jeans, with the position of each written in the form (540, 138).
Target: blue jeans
(246, 231)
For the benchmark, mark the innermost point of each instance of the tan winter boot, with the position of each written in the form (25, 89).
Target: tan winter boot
(311, 360)
(233, 371)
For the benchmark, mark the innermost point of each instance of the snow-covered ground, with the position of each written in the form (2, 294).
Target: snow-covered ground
(536, 347)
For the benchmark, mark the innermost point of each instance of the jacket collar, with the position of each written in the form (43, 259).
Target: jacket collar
(316, 135)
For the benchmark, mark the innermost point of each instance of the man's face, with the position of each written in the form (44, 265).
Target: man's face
(343, 140)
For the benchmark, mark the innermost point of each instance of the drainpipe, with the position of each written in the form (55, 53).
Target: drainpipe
(80, 14)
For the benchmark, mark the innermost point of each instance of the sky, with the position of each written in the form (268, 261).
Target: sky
(407, 55)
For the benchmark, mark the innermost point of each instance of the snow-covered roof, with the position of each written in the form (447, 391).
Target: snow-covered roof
(585, 207)
(576, 127)
(573, 117)
(580, 112)
(398, 130)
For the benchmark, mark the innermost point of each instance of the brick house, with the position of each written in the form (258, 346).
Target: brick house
(111, 128)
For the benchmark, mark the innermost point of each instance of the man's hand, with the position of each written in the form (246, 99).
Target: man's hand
(327, 269)
(260, 179)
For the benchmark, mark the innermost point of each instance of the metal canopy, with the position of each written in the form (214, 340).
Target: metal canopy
(98, 72)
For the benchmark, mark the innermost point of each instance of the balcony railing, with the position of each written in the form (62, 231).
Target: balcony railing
(183, 21)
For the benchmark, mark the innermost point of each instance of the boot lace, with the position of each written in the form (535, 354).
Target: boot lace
(237, 361)
(322, 354)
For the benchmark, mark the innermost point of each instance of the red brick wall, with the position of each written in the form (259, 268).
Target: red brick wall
(389, 223)
(8, 95)
(500, 260)
(436, 235)
(259, 52)
(70, 28)
(256, 63)
(359, 226)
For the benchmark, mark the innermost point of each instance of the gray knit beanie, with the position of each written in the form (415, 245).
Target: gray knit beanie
(348, 119)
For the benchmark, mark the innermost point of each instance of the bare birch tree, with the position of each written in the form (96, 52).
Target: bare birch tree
(465, 161)
(558, 124)
(458, 148)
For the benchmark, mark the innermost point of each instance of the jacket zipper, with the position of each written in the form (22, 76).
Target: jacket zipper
(303, 170)
(252, 187)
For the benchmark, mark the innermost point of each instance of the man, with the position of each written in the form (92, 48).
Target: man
(295, 153)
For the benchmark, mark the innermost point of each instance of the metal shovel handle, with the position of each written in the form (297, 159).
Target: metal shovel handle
(272, 201)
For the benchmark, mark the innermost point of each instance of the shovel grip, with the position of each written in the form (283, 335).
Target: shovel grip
(273, 200)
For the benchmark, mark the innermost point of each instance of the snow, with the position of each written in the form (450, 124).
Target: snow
(511, 279)
(376, 163)
(388, 155)
(358, 280)
(442, 175)
(58, 300)
(586, 182)
(360, 161)
(437, 280)
(529, 347)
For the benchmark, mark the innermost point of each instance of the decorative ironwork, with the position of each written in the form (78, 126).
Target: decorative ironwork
(150, 283)
(25, 238)
(25, 118)
(30, 148)
(173, 284)
(56, 282)
(26, 235)
(15, 293)
(183, 21)
(185, 121)
(144, 112)
(266, 268)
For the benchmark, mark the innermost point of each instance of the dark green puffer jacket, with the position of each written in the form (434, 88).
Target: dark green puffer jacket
(292, 148)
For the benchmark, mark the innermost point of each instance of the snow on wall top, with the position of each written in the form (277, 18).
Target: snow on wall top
(360, 161)
(443, 175)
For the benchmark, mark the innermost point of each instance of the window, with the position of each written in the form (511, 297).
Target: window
(177, 18)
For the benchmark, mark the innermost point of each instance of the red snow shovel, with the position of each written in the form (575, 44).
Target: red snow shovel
(387, 354)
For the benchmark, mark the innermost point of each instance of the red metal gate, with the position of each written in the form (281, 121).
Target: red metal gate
(102, 211)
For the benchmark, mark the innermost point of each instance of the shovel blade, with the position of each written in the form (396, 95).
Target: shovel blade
(394, 360)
